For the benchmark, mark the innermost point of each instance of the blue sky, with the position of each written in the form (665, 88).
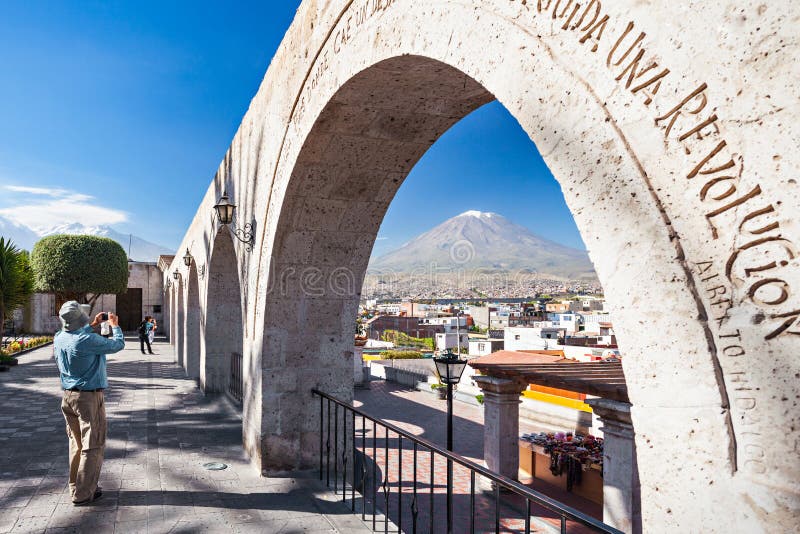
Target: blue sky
(120, 112)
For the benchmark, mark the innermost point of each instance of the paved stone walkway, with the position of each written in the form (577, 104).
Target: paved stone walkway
(161, 431)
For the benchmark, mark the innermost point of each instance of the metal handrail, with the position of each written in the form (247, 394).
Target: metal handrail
(564, 511)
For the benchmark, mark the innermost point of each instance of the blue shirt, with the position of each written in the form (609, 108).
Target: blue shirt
(81, 356)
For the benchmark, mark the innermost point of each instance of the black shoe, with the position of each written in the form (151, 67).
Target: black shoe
(153, 353)
(143, 352)
(97, 494)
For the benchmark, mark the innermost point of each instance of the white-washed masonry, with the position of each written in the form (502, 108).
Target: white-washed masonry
(669, 127)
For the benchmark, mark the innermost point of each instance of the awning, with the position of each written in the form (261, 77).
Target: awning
(601, 379)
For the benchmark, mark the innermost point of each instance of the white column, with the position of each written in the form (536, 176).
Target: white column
(501, 423)
(621, 504)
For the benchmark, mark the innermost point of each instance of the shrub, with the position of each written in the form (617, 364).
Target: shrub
(74, 266)
(401, 355)
(479, 398)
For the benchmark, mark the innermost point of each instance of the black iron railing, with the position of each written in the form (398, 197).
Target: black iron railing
(381, 467)
(235, 381)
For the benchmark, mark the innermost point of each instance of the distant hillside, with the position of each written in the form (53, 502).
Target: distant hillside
(25, 238)
(478, 240)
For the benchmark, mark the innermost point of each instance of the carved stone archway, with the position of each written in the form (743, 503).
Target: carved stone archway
(192, 327)
(671, 144)
(178, 317)
(223, 331)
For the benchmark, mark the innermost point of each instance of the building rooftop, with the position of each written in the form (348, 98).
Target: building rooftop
(518, 357)
(604, 379)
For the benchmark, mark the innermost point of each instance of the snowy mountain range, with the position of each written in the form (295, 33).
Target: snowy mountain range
(25, 237)
(481, 240)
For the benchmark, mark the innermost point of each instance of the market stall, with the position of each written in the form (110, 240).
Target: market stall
(607, 470)
(570, 462)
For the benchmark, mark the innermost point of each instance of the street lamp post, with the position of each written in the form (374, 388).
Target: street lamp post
(458, 332)
(450, 367)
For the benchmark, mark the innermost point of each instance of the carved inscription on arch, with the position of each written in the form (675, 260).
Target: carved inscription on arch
(760, 254)
(757, 267)
(347, 27)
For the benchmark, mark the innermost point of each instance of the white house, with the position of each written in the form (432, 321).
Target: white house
(388, 309)
(482, 347)
(450, 324)
(449, 340)
(527, 338)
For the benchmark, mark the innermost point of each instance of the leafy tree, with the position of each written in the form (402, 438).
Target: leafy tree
(16, 279)
(79, 267)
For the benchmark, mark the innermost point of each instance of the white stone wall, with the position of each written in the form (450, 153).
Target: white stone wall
(41, 317)
(150, 278)
(669, 127)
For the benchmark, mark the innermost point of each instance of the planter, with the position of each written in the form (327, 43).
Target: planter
(441, 393)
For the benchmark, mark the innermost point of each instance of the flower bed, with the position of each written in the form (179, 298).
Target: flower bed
(23, 345)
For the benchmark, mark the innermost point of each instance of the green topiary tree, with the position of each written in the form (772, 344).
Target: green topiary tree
(79, 267)
(16, 279)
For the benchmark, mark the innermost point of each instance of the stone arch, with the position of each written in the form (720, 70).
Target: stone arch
(166, 323)
(649, 135)
(223, 330)
(192, 325)
(178, 324)
(165, 327)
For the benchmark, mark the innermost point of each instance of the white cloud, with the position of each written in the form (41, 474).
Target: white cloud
(381, 238)
(36, 190)
(41, 209)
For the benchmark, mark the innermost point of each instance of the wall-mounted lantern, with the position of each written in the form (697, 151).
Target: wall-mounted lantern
(187, 258)
(224, 212)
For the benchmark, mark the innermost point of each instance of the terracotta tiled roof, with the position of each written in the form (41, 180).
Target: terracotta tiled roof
(546, 352)
(513, 357)
(602, 379)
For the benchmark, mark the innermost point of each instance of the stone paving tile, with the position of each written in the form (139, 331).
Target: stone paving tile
(161, 431)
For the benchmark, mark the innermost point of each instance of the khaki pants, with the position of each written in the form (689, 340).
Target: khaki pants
(85, 413)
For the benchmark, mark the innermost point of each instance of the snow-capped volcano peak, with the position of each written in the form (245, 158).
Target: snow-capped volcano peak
(479, 214)
(74, 228)
(484, 240)
(25, 237)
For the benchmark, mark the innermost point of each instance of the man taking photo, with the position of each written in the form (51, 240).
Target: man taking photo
(81, 357)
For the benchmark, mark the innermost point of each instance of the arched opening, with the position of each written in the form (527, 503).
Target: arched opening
(362, 146)
(221, 362)
(192, 327)
(166, 322)
(178, 312)
(360, 149)
(679, 241)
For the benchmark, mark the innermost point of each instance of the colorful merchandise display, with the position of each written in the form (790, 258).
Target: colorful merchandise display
(569, 454)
